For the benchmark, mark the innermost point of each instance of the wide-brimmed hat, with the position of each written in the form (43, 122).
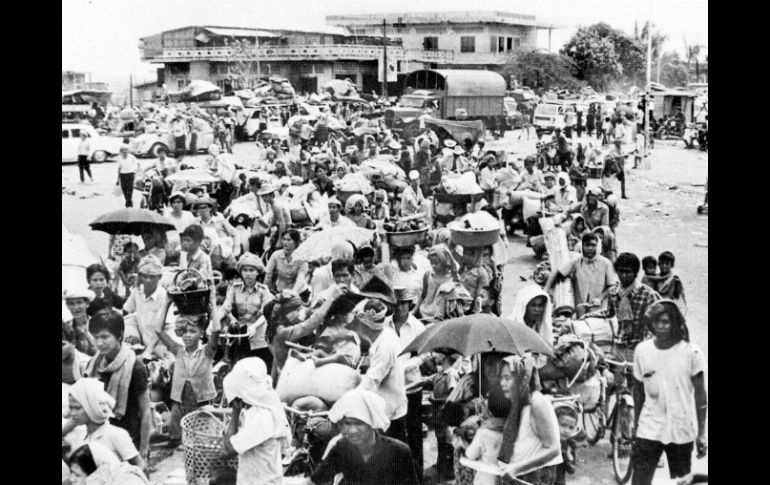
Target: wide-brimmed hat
(177, 195)
(266, 189)
(76, 293)
(449, 143)
(205, 200)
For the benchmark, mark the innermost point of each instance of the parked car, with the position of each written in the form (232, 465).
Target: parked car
(148, 144)
(548, 117)
(102, 147)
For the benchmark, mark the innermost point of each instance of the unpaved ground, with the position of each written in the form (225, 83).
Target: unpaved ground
(660, 215)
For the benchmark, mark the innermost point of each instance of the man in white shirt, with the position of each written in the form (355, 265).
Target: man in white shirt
(84, 150)
(127, 168)
(408, 327)
(144, 308)
(412, 198)
(669, 395)
(385, 374)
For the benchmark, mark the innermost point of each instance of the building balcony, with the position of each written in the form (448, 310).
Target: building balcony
(435, 56)
(317, 52)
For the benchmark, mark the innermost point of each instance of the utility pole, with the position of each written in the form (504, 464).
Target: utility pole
(647, 98)
(131, 90)
(384, 60)
(256, 53)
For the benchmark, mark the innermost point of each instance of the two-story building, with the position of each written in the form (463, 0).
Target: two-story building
(458, 40)
(307, 59)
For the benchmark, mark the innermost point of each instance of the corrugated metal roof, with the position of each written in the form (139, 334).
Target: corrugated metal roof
(461, 17)
(239, 32)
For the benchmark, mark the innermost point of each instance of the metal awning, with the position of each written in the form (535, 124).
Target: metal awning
(239, 32)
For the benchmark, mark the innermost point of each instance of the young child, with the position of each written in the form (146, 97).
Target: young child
(568, 421)
(192, 256)
(488, 438)
(668, 284)
(650, 268)
(128, 267)
(193, 382)
(337, 344)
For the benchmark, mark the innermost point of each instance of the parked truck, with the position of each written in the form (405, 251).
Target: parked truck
(445, 93)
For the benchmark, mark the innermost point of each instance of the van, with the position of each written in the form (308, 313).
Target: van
(548, 117)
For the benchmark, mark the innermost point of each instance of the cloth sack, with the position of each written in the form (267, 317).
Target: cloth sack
(328, 382)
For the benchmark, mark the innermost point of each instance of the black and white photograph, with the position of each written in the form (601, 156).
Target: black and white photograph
(415, 242)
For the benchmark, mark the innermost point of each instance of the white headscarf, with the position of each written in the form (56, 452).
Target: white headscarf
(249, 381)
(363, 405)
(96, 402)
(523, 297)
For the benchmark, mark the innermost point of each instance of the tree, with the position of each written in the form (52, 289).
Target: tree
(242, 64)
(592, 49)
(542, 71)
(673, 71)
(692, 52)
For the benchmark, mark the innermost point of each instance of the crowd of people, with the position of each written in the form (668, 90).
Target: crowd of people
(361, 307)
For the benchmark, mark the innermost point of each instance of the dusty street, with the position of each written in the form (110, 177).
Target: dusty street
(660, 215)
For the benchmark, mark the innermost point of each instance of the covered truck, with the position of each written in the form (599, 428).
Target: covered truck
(445, 94)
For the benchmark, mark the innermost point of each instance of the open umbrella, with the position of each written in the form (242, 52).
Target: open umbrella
(474, 334)
(318, 245)
(131, 221)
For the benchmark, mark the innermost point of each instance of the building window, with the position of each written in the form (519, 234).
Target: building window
(468, 44)
(500, 44)
(430, 43)
(509, 44)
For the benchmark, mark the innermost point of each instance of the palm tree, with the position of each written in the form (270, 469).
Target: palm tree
(692, 52)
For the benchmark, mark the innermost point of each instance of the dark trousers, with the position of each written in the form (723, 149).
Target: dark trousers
(579, 130)
(568, 132)
(127, 186)
(84, 165)
(224, 195)
(397, 429)
(193, 143)
(414, 428)
(622, 179)
(646, 453)
(179, 147)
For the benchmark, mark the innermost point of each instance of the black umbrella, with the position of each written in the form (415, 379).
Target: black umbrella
(131, 221)
(478, 333)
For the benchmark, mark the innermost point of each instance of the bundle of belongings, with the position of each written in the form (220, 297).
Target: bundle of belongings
(277, 89)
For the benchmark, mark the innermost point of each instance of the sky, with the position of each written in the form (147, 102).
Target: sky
(101, 37)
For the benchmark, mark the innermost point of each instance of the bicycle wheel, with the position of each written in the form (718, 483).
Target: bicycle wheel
(622, 438)
(595, 424)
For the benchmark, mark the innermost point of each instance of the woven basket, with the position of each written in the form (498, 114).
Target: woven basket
(474, 239)
(404, 239)
(202, 434)
(195, 302)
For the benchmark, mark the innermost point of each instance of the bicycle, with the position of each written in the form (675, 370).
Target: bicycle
(621, 423)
